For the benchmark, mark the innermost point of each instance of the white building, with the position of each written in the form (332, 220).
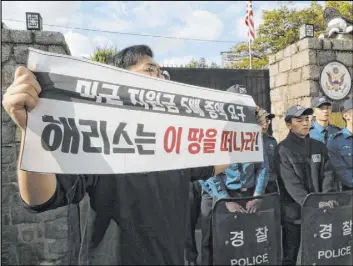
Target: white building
(228, 58)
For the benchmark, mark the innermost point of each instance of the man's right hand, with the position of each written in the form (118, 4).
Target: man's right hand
(21, 96)
(330, 204)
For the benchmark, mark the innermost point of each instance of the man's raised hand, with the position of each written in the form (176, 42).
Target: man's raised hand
(22, 96)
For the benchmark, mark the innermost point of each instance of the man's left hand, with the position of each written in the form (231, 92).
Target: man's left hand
(252, 205)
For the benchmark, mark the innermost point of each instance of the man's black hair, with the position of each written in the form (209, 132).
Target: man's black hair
(131, 55)
(288, 119)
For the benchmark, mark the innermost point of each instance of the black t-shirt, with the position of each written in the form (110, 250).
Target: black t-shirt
(133, 219)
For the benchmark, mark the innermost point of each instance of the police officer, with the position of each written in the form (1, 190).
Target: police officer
(320, 128)
(303, 167)
(239, 180)
(341, 149)
(270, 143)
(207, 200)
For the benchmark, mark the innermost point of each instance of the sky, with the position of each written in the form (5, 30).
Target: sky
(195, 19)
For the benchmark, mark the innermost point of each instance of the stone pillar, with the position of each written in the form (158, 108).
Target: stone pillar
(52, 237)
(295, 73)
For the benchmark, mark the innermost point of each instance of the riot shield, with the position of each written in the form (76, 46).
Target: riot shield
(252, 237)
(326, 232)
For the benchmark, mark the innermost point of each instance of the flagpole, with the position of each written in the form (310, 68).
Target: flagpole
(250, 53)
(250, 23)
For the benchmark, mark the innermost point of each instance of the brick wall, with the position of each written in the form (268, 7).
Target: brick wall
(295, 73)
(50, 238)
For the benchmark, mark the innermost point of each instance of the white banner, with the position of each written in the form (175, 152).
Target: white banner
(97, 119)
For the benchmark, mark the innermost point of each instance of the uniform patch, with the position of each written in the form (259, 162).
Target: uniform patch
(316, 158)
(348, 149)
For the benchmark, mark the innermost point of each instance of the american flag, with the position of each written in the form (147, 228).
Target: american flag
(249, 20)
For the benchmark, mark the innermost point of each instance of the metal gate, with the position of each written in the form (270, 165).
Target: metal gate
(256, 82)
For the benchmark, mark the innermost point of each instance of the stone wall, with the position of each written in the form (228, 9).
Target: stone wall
(49, 238)
(295, 73)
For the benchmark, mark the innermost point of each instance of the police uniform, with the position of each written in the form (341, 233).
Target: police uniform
(212, 189)
(322, 134)
(317, 131)
(270, 144)
(341, 149)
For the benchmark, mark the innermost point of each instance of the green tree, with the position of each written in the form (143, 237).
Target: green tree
(344, 7)
(201, 63)
(103, 54)
(192, 64)
(281, 28)
(214, 65)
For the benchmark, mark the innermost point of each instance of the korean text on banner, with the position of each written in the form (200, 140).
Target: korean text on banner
(247, 238)
(326, 231)
(98, 119)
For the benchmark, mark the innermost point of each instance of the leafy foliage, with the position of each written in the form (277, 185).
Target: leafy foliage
(200, 64)
(281, 28)
(103, 54)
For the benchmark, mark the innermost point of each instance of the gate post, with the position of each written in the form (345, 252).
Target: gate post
(295, 74)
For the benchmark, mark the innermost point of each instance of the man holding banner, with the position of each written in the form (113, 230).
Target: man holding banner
(137, 212)
(303, 168)
(341, 149)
